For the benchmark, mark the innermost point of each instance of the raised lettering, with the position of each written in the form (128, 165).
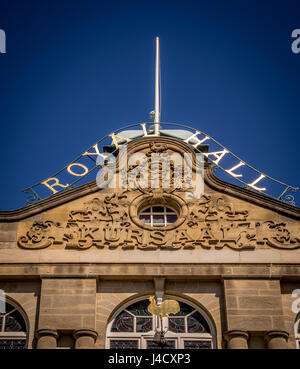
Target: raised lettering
(145, 129)
(195, 138)
(76, 174)
(230, 171)
(97, 152)
(116, 139)
(56, 183)
(218, 154)
(256, 181)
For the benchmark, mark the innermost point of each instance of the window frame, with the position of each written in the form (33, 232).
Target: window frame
(152, 213)
(15, 335)
(179, 338)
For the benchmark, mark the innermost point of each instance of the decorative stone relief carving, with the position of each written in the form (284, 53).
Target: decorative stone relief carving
(276, 235)
(109, 210)
(177, 181)
(220, 225)
(40, 235)
(209, 223)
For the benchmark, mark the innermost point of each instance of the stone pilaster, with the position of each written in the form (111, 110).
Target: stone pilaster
(68, 304)
(253, 305)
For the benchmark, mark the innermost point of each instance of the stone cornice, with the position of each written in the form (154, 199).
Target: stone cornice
(148, 271)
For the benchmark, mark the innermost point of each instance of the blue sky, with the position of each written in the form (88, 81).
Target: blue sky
(76, 70)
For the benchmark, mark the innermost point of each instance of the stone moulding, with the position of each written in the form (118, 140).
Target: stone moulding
(149, 270)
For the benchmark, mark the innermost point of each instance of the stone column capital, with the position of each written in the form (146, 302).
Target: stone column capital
(236, 333)
(46, 332)
(85, 333)
(46, 338)
(276, 334)
(276, 339)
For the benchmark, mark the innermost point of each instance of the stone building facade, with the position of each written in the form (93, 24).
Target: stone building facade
(77, 269)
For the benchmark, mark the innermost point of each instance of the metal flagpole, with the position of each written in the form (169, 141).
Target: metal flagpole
(157, 91)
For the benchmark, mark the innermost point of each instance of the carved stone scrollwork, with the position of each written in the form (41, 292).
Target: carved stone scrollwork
(207, 210)
(39, 236)
(109, 210)
(98, 224)
(208, 223)
(276, 235)
(169, 180)
(216, 224)
(157, 148)
(198, 210)
(221, 210)
(238, 236)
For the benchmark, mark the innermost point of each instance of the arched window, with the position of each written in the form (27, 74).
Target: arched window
(133, 327)
(13, 327)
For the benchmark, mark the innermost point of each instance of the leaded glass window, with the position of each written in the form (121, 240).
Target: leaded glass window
(169, 344)
(197, 344)
(135, 327)
(123, 323)
(124, 344)
(177, 325)
(135, 318)
(15, 344)
(143, 324)
(13, 331)
(188, 320)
